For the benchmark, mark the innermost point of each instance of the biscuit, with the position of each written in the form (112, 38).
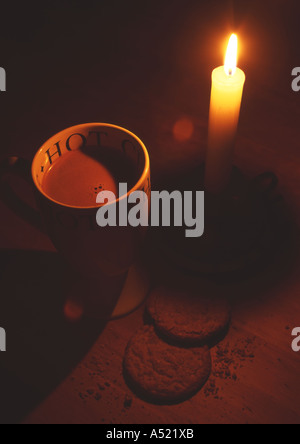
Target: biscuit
(164, 373)
(188, 319)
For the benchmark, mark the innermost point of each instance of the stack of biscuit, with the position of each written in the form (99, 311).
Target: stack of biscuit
(169, 360)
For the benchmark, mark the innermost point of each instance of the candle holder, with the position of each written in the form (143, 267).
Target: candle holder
(243, 226)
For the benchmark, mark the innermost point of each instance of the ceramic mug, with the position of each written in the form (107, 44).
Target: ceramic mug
(103, 254)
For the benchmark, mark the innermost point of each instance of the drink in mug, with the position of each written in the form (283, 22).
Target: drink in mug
(80, 175)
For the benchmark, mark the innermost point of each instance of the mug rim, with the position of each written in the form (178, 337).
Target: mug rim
(136, 187)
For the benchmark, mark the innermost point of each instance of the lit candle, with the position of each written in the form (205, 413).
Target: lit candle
(226, 96)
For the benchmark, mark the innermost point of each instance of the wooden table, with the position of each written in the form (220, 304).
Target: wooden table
(59, 372)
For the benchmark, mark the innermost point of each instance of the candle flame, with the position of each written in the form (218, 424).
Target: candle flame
(231, 56)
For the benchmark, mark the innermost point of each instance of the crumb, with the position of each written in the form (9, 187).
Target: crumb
(228, 360)
(97, 397)
(128, 402)
(211, 389)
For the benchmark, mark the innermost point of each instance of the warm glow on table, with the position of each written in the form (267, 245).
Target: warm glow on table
(226, 96)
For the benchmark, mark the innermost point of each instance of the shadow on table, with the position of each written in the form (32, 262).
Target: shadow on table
(248, 248)
(44, 343)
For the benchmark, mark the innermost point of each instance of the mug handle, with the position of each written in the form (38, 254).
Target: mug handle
(16, 166)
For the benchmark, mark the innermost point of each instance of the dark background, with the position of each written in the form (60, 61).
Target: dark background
(74, 62)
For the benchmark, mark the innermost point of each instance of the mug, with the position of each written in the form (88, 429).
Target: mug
(102, 255)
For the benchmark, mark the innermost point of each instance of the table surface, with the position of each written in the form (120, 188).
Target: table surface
(60, 372)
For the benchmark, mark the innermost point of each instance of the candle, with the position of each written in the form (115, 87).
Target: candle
(226, 96)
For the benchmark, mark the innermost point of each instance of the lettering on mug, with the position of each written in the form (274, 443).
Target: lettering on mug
(2, 340)
(51, 153)
(81, 136)
(80, 141)
(2, 80)
(100, 135)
